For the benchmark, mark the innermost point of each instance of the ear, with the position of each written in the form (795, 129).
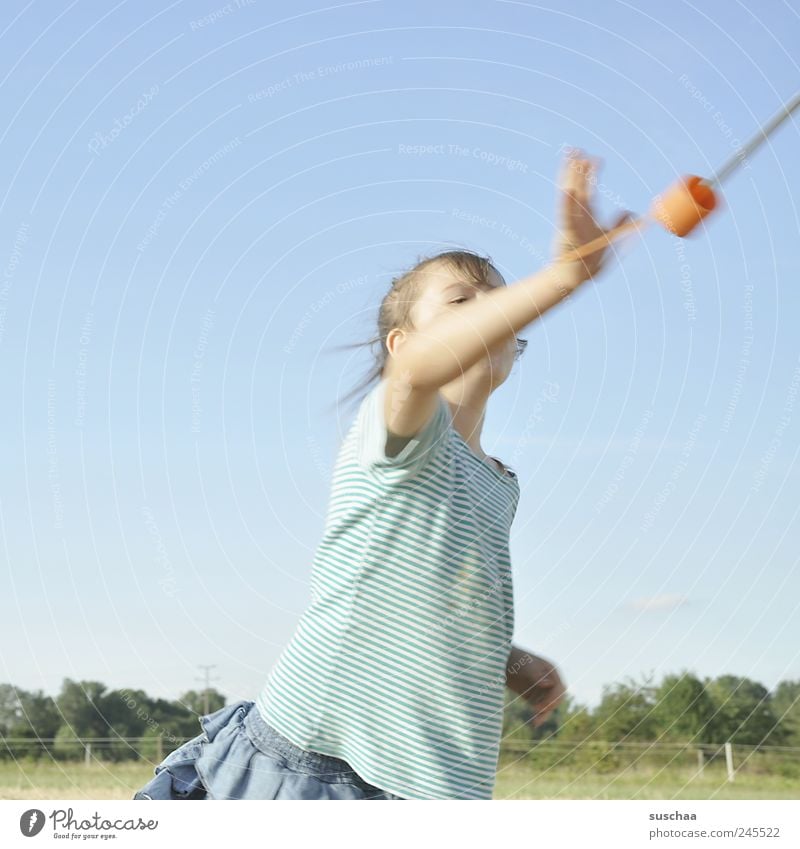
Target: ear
(394, 339)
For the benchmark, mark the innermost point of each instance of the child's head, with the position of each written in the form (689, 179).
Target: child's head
(435, 285)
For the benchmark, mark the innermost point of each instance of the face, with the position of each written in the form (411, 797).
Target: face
(443, 290)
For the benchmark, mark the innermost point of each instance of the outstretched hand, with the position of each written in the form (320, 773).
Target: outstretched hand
(537, 681)
(577, 218)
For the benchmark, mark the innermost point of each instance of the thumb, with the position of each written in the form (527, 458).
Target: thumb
(627, 215)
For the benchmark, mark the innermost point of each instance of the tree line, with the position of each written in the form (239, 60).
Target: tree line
(682, 707)
(130, 723)
(127, 724)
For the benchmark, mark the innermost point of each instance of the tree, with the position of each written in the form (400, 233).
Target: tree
(194, 700)
(174, 719)
(86, 709)
(684, 710)
(81, 706)
(10, 708)
(625, 712)
(786, 707)
(125, 713)
(27, 716)
(68, 745)
(575, 723)
(743, 712)
(40, 714)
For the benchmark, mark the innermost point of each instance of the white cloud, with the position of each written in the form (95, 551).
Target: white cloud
(668, 601)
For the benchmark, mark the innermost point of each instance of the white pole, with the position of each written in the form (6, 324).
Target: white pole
(741, 155)
(87, 757)
(729, 760)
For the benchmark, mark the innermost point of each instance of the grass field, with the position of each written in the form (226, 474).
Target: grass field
(521, 781)
(71, 780)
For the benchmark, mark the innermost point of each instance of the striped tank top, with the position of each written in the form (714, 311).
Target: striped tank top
(398, 664)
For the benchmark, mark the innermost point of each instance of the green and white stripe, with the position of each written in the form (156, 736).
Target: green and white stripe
(398, 664)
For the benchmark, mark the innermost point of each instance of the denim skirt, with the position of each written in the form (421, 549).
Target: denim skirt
(239, 756)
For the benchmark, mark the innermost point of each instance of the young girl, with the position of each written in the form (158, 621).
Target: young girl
(392, 686)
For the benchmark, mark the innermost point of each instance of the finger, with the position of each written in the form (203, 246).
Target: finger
(541, 717)
(590, 181)
(577, 178)
(562, 168)
(575, 164)
(566, 177)
(593, 166)
(573, 209)
(549, 700)
(545, 703)
(573, 174)
(583, 174)
(589, 167)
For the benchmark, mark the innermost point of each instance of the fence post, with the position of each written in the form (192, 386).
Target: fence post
(729, 760)
(159, 749)
(701, 761)
(87, 754)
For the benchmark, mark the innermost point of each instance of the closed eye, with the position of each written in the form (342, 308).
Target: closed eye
(458, 300)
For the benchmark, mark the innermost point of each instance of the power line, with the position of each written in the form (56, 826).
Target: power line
(207, 679)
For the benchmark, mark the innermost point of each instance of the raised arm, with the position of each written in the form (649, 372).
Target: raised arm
(445, 348)
(458, 340)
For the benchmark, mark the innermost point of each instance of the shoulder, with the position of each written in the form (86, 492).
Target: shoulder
(385, 454)
(502, 467)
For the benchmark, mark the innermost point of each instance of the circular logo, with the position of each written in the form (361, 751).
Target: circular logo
(31, 822)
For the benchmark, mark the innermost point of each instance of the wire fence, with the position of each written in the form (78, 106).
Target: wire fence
(89, 749)
(550, 754)
(609, 756)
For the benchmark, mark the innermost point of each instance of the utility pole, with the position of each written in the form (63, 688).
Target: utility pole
(207, 679)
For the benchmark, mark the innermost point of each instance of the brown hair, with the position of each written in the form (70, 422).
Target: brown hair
(397, 303)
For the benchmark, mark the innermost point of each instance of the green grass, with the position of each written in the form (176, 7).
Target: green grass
(517, 780)
(72, 780)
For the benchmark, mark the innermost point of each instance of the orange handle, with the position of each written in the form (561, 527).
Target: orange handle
(684, 205)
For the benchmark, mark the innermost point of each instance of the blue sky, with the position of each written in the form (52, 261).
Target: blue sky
(200, 201)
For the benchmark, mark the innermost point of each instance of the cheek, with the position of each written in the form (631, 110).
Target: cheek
(424, 314)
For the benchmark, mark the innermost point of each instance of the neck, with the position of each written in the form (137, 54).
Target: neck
(468, 412)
